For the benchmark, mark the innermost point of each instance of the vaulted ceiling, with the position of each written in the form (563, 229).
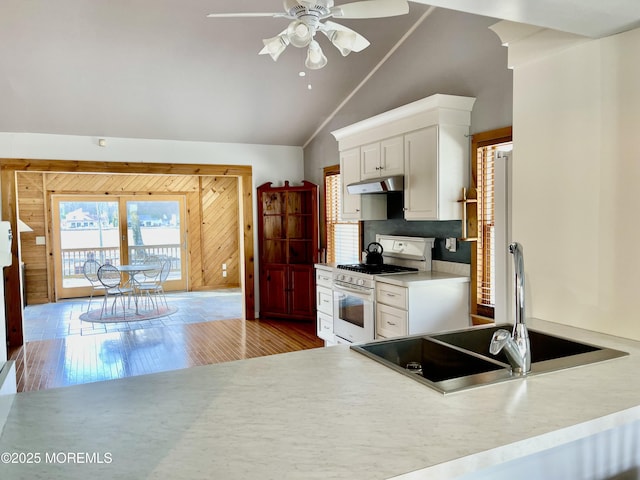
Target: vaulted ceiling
(162, 69)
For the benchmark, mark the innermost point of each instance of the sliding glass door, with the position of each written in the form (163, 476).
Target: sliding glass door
(118, 231)
(154, 228)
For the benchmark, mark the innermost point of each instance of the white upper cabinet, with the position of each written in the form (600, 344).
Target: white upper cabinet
(426, 141)
(382, 159)
(357, 207)
(421, 181)
(436, 160)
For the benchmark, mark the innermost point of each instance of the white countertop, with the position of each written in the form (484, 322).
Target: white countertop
(324, 413)
(421, 278)
(325, 266)
(410, 279)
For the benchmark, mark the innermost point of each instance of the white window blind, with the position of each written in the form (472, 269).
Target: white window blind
(343, 236)
(485, 251)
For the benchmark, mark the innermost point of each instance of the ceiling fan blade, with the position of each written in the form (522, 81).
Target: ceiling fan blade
(360, 42)
(371, 9)
(234, 15)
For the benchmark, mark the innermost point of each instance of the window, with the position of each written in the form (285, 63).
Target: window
(342, 236)
(486, 147)
(116, 230)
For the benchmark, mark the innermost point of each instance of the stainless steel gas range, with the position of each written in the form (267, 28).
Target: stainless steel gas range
(354, 284)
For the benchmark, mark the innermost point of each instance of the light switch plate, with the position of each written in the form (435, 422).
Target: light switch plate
(450, 244)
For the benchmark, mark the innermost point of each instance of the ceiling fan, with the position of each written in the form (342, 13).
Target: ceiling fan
(307, 19)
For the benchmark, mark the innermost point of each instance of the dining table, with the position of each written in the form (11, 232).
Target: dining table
(134, 269)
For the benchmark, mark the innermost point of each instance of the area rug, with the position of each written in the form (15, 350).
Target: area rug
(129, 316)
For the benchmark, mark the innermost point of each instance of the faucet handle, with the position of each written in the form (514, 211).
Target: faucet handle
(498, 341)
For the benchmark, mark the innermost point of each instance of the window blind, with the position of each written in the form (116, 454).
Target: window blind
(485, 250)
(343, 236)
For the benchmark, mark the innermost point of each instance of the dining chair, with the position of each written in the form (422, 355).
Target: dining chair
(111, 279)
(148, 284)
(90, 271)
(153, 289)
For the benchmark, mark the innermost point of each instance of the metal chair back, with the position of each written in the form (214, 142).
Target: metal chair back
(109, 276)
(90, 271)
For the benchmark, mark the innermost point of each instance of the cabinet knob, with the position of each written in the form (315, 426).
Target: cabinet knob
(357, 209)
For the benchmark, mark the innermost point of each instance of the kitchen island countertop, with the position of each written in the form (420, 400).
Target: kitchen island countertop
(323, 413)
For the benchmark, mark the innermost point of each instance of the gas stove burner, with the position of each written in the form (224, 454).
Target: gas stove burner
(376, 269)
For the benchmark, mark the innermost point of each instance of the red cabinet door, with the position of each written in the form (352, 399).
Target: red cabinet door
(303, 292)
(275, 290)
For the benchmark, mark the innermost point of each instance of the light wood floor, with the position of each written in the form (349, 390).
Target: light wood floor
(79, 359)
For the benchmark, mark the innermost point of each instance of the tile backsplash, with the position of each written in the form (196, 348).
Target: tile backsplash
(438, 230)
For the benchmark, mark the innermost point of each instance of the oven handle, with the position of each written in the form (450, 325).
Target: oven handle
(353, 291)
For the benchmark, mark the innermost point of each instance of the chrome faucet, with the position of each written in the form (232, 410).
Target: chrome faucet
(516, 344)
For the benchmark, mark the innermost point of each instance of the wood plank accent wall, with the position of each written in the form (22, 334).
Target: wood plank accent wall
(218, 197)
(219, 230)
(213, 229)
(32, 211)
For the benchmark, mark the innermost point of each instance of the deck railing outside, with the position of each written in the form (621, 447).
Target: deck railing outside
(73, 259)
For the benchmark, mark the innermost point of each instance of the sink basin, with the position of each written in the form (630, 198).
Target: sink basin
(548, 352)
(460, 360)
(443, 367)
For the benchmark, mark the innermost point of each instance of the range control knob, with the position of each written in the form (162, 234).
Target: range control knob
(341, 277)
(350, 279)
(361, 281)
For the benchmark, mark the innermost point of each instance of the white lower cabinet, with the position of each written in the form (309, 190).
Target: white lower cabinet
(324, 306)
(325, 326)
(425, 307)
(390, 321)
(392, 316)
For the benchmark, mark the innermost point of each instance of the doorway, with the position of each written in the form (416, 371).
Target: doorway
(27, 187)
(115, 230)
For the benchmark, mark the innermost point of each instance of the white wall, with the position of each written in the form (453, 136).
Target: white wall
(269, 163)
(575, 181)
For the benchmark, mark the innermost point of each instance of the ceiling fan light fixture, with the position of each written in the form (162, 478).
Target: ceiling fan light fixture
(275, 46)
(342, 40)
(299, 34)
(315, 58)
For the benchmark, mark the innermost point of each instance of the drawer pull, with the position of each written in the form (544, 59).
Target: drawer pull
(391, 323)
(390, 294)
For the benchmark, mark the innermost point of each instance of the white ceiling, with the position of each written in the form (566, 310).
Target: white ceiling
(162, 69)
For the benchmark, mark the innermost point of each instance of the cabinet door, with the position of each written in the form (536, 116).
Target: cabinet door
(370, 161)
(273, 294)
(324, 300)
(390, 322)
(350, 173)
(392, 156)
(421, 174)
(392, 295)
(302, 298)
(325, 326)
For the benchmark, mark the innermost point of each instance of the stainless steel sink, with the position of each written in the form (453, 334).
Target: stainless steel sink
(460, 360)
(548, 352)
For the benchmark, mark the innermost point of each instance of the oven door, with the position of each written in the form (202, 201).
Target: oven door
(353, 311)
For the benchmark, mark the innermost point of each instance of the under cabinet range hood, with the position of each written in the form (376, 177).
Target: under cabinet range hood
(377, 185)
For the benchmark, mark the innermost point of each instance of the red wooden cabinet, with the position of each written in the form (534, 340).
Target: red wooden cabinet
(287, 250)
